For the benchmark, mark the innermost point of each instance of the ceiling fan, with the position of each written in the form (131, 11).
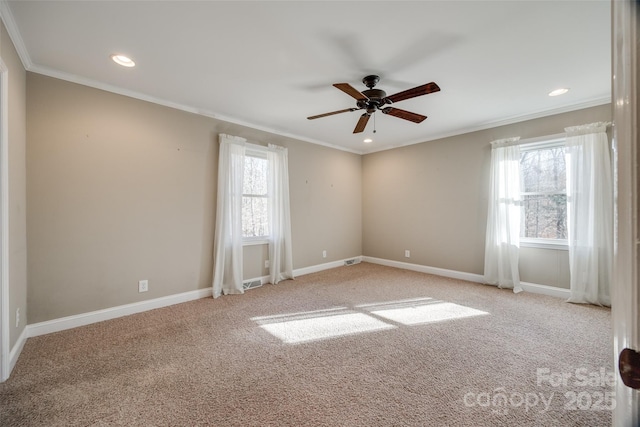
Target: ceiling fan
(372, 100)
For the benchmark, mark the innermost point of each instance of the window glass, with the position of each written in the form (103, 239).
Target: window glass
(255, 220)
(544, 194)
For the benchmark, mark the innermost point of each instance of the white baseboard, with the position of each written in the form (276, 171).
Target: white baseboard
(83, 319)
(546, 290)
(470, 277)
(311, 269)
(326, 266)
(17, 349)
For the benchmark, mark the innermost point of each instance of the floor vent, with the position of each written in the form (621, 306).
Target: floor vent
(351, 261)
(253, 284)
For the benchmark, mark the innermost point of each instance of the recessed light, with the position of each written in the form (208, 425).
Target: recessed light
(125, 61)
(557, 92)
(368, 140)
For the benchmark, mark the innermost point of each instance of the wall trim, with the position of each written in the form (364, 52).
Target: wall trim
(546, 290)
(72, 78)
(16, 38)
(12, 28)
(83, 319)
(5, 317)
(470, 277)
(503, 122)
(326, 266)
(14, 34)
(69, 322)
(17, 349)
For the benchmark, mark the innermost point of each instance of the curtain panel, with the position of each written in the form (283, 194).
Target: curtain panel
(589, 213)
(502, 245)
(228, 240)
(227, 266)
(280, 249)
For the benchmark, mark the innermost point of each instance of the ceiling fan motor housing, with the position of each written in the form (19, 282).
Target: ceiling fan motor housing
(377, 98)
(375, 94)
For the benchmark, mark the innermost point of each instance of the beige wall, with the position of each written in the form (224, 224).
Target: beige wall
(325, 187)
(431, 199)
(17, 186)
(545, 266)
(121, 190)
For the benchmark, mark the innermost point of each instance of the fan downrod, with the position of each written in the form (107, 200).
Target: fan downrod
(371, 81)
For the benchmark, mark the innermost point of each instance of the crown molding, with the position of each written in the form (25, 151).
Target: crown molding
(14, 34)
(61, 75)
(503, 122)
(27, 63)
(12, 29)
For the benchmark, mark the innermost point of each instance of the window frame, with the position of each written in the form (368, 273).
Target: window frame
(261, 153)
(553, 141)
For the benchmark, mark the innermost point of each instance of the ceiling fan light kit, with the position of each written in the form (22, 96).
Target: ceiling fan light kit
(372, 100)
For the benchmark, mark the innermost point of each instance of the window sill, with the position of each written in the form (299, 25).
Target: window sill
(558, 245)
(255, 241)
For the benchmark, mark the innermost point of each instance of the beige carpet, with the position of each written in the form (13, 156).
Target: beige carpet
(363, 345)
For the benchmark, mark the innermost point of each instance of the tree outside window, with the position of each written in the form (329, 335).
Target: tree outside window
(544, 192)
(255, 218)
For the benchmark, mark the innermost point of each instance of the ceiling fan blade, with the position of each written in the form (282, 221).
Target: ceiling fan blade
(362, 123)
(403, 114)
(351, 91)
(332, 113)
(412, 93)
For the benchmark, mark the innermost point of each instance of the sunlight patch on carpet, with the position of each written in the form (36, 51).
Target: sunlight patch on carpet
(424, 312)
(318, 325)
(294, 328)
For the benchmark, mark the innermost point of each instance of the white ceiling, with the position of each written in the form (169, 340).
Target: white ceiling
(270, 64)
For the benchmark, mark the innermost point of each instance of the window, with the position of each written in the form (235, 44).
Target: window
(544, 192)
(255, 217)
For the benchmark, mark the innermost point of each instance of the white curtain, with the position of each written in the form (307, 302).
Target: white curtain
(280, 250)
(590, 213)
(227, 267)
(502, 243)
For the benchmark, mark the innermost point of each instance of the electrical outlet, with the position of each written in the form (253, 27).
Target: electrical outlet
(143, 286)
(266, 264)
(324, 254)
(407, 253)
(17, 317)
